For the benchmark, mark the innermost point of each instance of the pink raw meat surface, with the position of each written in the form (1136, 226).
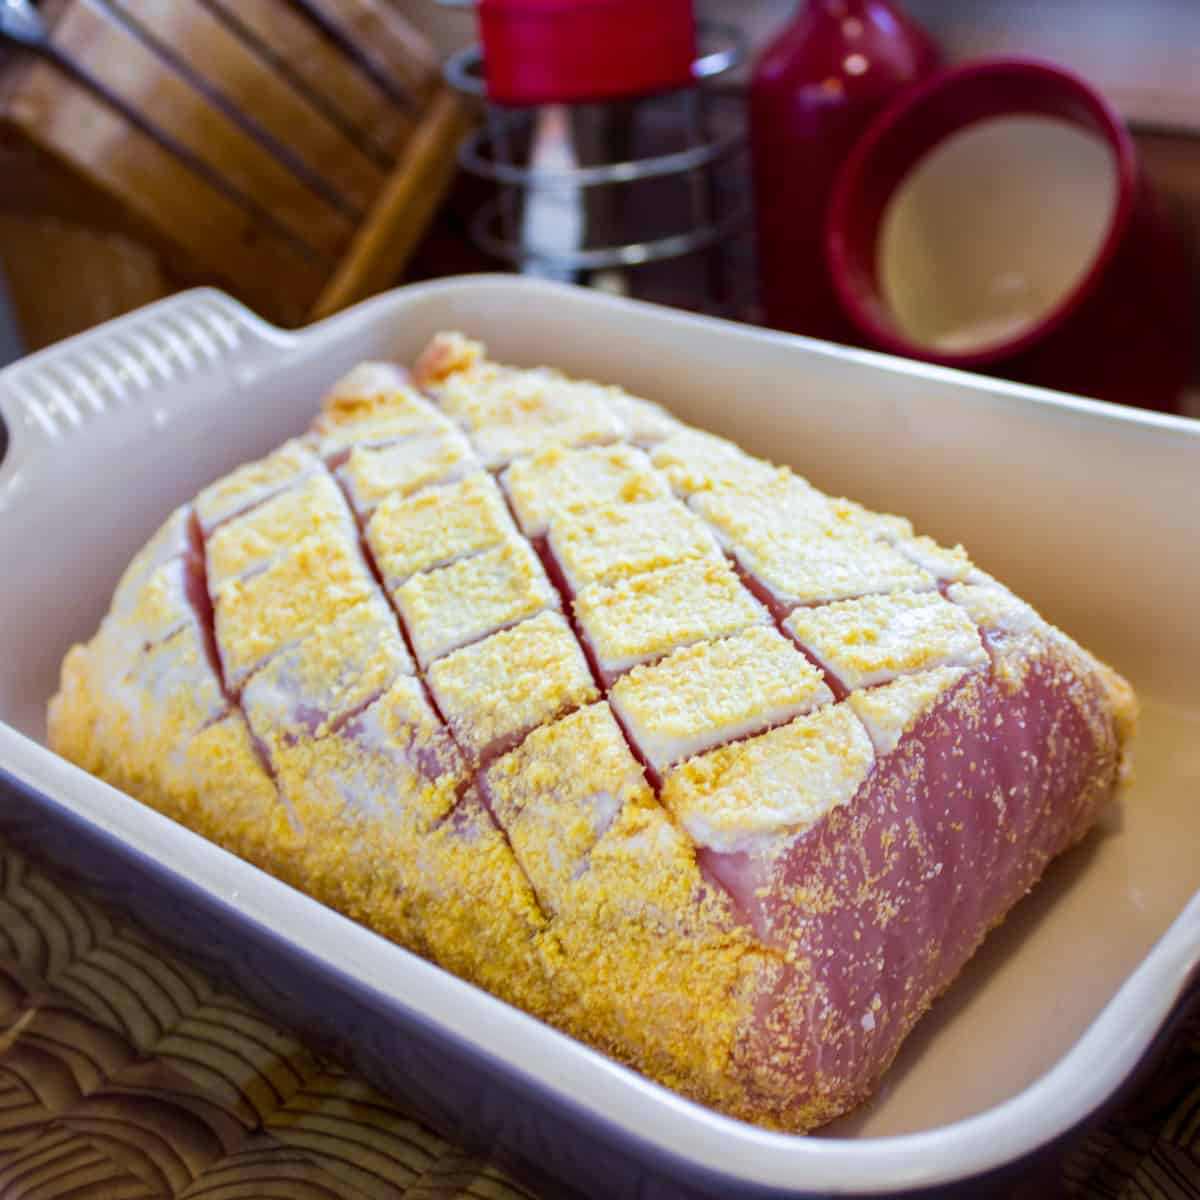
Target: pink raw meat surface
(879, 905)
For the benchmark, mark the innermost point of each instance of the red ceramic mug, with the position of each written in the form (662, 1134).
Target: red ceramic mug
(995, 218)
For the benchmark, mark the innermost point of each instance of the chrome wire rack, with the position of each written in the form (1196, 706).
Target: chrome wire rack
(590, 188)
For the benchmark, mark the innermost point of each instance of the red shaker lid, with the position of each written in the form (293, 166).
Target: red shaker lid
(573, 51)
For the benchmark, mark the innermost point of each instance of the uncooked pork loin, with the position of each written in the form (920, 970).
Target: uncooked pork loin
(647, 736)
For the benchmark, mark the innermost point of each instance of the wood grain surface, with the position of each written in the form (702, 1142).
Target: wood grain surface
(321, 70)
(289, 151)
(247, 85)
(403, 211)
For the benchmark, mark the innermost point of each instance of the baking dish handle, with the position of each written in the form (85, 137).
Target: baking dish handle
(125, 373)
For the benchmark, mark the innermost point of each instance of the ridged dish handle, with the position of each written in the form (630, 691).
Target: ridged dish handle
(125, 372)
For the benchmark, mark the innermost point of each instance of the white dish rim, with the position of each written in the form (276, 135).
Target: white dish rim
(1081, 1081)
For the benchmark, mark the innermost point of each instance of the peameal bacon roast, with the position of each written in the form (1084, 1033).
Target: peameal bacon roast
(721, 775)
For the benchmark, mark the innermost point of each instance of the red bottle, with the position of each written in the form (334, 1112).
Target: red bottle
(815, 88)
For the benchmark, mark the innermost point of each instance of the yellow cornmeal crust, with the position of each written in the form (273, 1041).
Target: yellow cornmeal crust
(372, 762)
(587, 906)
(153, 707)
(222, 785)
(162, 605)
(558, 792)
(162, 670)
(253, 482)
(171, 754)
(449, 353)
(890, 711)
(647, 616)
(477, 914)
(660, 973)
(992, 606)
(452, 354)
(781, 782)
(779, 497)
(511, 682)
(408, 534)
(648, 423)
(311, 507)
(557, 479)
(366, 387)
(336, 670)
(509, 413)
(749, 514)
(451, 606)
(656, 965)
(705, 694)
(616, 540)
(454, 894)
(372, 473)
(307, 587)
(695, 461)
(874, 638)
(805, 548)
(947, 564)
(372, 403)
(359, 784)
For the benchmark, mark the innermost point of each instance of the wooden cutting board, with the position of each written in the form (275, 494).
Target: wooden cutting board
(324, 131)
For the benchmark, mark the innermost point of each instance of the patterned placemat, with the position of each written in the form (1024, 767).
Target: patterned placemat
(126, 1075)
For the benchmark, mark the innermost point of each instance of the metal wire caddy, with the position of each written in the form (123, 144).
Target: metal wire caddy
(490, 153)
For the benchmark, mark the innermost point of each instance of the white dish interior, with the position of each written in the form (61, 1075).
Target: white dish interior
(1088, 511)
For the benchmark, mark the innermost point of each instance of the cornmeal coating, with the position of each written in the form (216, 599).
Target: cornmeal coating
(650, 737)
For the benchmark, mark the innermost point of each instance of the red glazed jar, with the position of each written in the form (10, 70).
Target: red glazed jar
(815, 88)
(575, 51)
(1028, 175)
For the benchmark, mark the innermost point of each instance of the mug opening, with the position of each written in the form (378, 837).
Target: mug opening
(992, 229)
(978, 212)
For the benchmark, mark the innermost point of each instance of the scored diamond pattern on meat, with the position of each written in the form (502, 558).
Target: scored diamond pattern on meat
(411, 533)
(309, 506)
(558, 480)
(253, 484)
(613, 541)
(373, 473)
(496, 690)
(644, 734)
(709, 693)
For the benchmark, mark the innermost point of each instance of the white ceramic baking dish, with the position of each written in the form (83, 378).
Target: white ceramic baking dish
(1092, 512)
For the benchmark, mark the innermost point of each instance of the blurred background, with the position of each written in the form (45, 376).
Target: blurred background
(306, 153)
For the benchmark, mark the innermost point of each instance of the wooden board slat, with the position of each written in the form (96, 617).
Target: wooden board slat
(88, 33)
(388, 40)
(305, 145)
(249, 85)
(403, 211)
(324, 70)
(110, 274)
